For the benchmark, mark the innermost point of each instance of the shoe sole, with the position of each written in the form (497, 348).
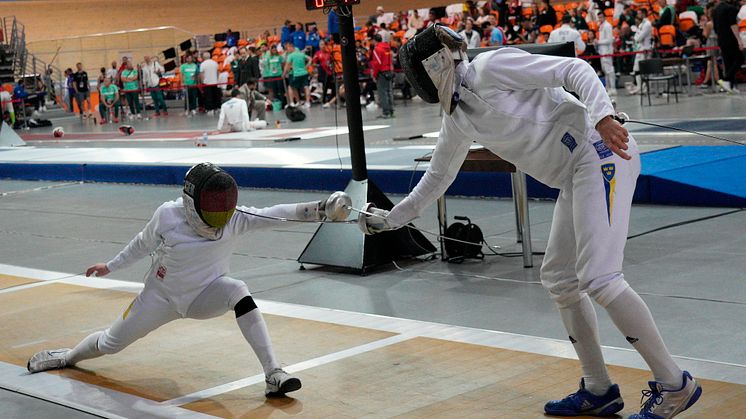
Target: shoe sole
(609, 410)
(292, 384)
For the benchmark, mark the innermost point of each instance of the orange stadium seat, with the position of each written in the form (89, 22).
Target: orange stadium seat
(742, 26)
(560, 8)
(593, 26)
(546, 29)
(527, 12)
(667, 36)
(242, 42)
(219, 44)
(584, 36)
(686, 24)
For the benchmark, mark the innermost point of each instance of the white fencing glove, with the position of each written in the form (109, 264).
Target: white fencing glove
(336, 207)
(373, 222)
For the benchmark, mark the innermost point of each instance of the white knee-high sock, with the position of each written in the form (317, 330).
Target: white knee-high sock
(255, 331)
(582, 326)
(633, 318)
(86, 349)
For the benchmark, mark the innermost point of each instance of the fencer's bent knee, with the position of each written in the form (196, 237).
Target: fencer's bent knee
(244, 306)
(606, 288)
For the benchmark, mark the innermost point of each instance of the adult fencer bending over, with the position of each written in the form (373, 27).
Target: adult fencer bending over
(512, 102)
(192, 239)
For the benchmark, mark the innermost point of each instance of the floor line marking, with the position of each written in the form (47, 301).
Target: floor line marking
(41, 188)
(28, 343)
(300, 366)
(89, 398)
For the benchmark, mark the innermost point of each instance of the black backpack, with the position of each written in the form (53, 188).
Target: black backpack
(295, 114)
(456, 251)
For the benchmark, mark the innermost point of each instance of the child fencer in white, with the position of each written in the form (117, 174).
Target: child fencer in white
(192, 239)
(513, 103)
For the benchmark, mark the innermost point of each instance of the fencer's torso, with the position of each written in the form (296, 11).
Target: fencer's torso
(184, 262)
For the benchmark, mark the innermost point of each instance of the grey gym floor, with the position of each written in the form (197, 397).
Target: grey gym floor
(692, 276)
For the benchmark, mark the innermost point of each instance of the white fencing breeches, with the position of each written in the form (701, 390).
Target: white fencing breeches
(151, 309)
(607, 65)
(589, 228)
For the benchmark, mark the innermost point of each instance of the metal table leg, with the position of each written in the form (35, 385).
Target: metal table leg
(518, 226)
(442, 224)
(520, 195)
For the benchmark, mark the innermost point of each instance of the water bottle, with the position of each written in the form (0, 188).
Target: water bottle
(204, 139)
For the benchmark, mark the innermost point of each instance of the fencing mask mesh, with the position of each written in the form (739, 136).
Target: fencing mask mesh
(211, 194)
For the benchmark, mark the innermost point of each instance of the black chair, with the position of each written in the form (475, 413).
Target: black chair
(652, 70)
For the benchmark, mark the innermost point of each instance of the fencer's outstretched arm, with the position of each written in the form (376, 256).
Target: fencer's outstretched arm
(333, 208)
(142, 245)
(448, 157)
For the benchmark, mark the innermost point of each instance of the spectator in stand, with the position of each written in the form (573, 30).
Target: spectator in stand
(20, 93)
(189, 71)
(711, 40)
(644, 43)
(667, 15)
(287, 33)
(101, 77)
(415, 21)
(255, 72)
(628, 16)
(482, 15)
(131, 89)
(208, 74)
(51, 95)
(725, 23)
(472, 37)
(313, 39)
(255, 101)
(152, 71)
(606, 46)
(567, 33)
(515, 12)
(322, 60)
(385, 33)
(231, 39)
(497, 34)
(502, 8)
(377, 16)
(590, 50)
(273, 75)
(383, 73)
(240, 67)
(82, 91)
(741, 16)
(69, 88)
(113, 72)
(332, 25)
(299, 37)
(109, 101)
(578, 21)
(432, 18)
(547, 15)
(406, 88)
(296, 65)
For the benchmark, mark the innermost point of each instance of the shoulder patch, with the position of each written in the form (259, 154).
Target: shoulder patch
(602, 150)
(569, 141)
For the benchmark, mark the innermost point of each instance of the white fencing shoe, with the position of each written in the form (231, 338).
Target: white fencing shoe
(665, 404)
(279, 382)
(47, 360)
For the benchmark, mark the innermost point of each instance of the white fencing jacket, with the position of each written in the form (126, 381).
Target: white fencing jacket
(512, 102)
(184, 261)
(644, 36)
(235, 115)
(565, 33)
(605, 39)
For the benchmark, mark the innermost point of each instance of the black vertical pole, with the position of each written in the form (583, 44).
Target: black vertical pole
(352, 94)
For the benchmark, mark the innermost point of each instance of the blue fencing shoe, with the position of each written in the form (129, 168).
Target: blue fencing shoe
(583, 402)
(665, 404)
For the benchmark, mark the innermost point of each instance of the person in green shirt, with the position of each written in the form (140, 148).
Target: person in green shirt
(295, 63)
(131, 88)
(272, 74)
(108, 100)
(189, 72)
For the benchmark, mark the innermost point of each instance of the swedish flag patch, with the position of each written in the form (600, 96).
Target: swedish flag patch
(609, 171)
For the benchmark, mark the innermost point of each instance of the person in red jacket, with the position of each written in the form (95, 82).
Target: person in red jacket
(383, 73)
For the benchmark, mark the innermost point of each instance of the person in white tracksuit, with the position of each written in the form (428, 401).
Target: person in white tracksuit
(234, 114)
(606, 46)
(567, 33)
(513, 103)
(190, 275)
(644, 42)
